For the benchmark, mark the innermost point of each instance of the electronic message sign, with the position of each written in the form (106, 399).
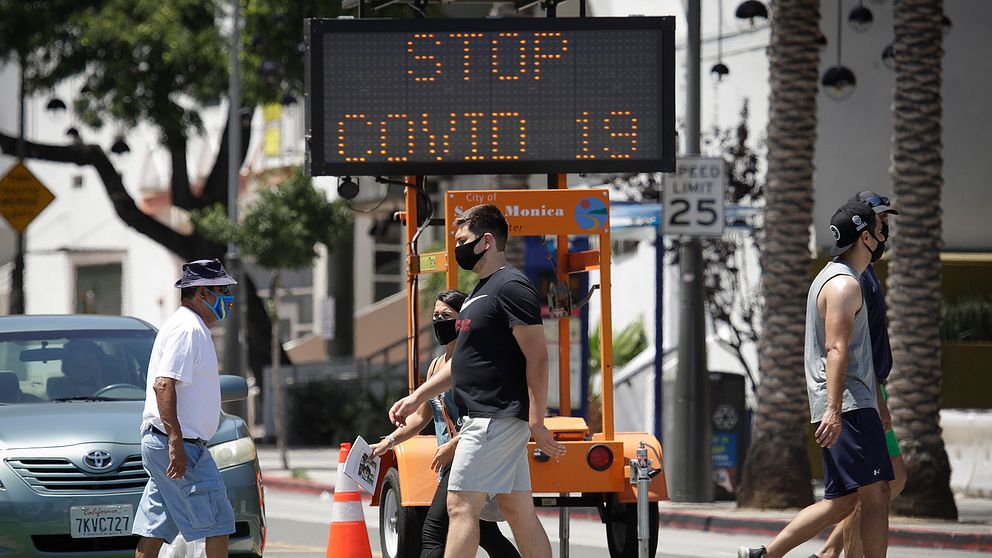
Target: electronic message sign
(490, 96)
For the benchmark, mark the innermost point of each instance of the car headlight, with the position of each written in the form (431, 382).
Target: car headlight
(235, 452)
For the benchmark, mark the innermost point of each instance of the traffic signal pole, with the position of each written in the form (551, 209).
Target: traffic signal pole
(688, 455)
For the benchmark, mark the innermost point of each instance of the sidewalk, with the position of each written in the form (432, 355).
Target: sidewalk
(314, 471)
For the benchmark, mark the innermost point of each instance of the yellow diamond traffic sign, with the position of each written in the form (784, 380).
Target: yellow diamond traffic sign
(22, 197)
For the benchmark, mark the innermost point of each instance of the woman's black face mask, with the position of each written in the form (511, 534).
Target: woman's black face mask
(444, 331)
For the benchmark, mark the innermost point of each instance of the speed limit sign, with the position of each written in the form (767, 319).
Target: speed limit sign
(694, 196)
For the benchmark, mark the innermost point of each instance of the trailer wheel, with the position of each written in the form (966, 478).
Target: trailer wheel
(399, 527)
(621, 530)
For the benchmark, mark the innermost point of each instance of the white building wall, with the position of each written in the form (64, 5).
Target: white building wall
(149, 276)
(852, 150)
(48, 274)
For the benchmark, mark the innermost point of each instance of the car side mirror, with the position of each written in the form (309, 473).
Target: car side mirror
(233, 388)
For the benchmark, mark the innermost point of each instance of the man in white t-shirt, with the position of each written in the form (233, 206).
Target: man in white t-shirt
(185, 493)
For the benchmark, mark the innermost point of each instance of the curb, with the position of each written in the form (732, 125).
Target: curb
(716, 523)
(898, 535)
(301, 486)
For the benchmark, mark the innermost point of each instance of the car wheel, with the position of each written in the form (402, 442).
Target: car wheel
(621, 530)
(400, 527)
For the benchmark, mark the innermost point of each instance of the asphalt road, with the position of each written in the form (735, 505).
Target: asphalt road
(298, 527)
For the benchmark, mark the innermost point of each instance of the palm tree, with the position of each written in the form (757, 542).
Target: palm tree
(776, 471)
(914, 282)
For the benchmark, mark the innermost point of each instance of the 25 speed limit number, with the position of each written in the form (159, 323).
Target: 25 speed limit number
(693, 198)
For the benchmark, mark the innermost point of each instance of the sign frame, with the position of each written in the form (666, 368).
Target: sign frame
(316, 121)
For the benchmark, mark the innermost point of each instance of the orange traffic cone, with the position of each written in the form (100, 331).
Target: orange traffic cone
(349, 537)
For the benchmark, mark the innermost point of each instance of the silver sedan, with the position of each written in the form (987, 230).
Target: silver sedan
(72, 390)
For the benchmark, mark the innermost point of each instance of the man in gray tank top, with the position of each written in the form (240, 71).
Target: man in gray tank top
(840, 381)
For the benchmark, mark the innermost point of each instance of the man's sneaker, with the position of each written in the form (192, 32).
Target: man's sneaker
(746, 552)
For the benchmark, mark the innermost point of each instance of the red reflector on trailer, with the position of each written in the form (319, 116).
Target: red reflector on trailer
(599, 457)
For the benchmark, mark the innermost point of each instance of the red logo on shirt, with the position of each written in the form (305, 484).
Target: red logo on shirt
(463, 325)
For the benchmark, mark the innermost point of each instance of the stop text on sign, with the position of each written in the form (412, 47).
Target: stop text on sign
(508, 56)
(487, 96)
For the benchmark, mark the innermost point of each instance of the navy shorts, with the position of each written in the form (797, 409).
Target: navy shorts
(859, 457)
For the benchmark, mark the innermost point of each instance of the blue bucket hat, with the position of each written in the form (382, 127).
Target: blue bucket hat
(204, 273)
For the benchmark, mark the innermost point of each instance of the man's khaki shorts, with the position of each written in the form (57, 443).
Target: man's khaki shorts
(491, 456)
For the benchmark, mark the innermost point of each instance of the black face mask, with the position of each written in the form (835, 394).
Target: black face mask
(885, 231)
(876, 254)
(465, 255)
(444, 331)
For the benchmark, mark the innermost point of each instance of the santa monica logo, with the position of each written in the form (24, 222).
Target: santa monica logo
(591, 213)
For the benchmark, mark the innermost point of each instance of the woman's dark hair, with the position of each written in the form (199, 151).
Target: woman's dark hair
(453, 298)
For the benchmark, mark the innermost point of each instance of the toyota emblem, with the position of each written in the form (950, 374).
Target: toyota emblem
(98, 460)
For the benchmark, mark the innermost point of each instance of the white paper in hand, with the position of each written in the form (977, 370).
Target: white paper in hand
(361, 467)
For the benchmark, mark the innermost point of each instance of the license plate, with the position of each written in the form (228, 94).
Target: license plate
(100, 521)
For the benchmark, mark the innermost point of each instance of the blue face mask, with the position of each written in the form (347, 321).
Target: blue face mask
(220, 305)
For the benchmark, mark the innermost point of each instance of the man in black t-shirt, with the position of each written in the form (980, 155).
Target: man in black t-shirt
(499, 373)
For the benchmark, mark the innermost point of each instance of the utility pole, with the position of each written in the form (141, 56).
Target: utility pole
(17, 304)
(234, 338)
(689, 455)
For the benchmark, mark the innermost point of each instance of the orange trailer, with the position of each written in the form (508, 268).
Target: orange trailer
(595, 472)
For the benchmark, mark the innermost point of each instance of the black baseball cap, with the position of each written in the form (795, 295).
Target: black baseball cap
(204, 273)
(847, 223)
(876, 201)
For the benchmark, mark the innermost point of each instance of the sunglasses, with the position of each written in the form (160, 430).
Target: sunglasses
(222, 290)
(876, 201)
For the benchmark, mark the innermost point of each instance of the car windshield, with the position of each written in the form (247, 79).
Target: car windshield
(36, 367)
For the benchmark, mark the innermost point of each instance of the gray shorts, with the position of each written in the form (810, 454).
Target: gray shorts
(491, 456)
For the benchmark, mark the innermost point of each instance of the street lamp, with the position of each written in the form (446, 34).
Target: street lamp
(55, 104)
(719, 70)
(889, 57)
(120, 147)
(838, 81)
(750, 10)
(860, 18)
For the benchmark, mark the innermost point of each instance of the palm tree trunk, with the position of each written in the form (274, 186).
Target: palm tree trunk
(914, 280)
(277, 387)
(776, 472)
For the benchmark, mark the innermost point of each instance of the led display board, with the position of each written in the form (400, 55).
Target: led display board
(490, 96)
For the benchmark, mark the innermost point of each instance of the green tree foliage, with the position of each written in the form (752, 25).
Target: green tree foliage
(281, 228)
(158, 63)
(627, 344)
(153, 61)
(966, 318)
